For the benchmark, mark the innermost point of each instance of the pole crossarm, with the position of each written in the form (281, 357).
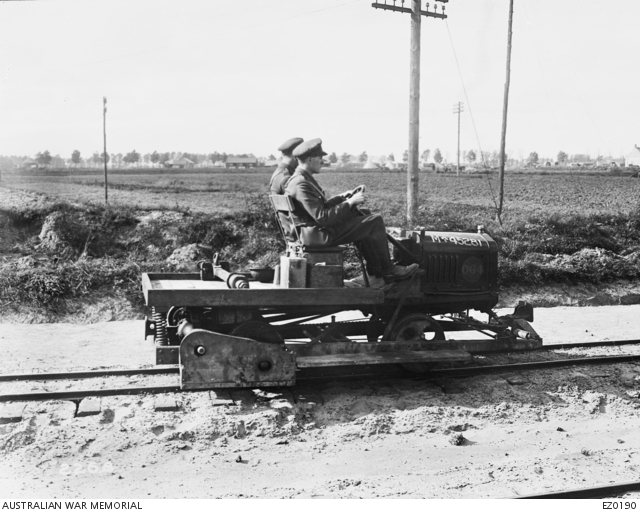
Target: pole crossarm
(408, 10)
(413, 161)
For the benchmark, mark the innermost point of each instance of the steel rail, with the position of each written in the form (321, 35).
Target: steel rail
(171, 389)
(309, 377)
(81, 394)
(595, 492)
(526, 366)
(174, 369)
(604, 343)
(50, 376)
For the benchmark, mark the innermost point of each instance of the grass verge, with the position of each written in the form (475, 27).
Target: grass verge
(57, 252)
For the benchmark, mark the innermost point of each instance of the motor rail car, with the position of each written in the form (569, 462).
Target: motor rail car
(234, 329)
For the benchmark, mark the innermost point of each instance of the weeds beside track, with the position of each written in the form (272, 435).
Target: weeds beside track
(95, 251)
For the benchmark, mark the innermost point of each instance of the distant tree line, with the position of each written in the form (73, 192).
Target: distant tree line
(156, 158)
(133, 157)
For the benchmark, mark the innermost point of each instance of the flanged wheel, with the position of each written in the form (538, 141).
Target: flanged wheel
(417, 327)
(176, 314)
(258, 330)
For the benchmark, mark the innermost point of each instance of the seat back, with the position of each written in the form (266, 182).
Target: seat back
(283, 208)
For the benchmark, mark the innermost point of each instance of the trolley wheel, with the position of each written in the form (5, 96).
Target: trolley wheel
(417, 327)
(258, 330)
(176, 314)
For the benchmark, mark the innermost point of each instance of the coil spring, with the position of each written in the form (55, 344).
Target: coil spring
(160, 321)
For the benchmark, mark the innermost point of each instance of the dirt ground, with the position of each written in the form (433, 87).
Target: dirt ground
(489, 436)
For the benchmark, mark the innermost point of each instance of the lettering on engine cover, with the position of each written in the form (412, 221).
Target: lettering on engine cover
(462, 241)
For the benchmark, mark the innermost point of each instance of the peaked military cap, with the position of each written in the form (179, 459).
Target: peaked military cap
(289, 145)
(310, 148)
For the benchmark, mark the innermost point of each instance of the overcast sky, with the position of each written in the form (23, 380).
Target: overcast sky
(243, 76)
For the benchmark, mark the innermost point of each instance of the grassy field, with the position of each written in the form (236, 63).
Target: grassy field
(525, 194)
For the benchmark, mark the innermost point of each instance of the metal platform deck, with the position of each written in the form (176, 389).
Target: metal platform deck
(187, 289)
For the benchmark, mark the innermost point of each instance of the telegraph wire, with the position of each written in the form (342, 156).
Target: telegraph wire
(473, 122)
(486, 21)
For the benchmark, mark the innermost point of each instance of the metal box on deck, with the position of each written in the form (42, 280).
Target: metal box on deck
(293, 272)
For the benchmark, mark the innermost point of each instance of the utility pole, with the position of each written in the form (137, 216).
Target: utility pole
(104, 155)
(457, 109)
(414, 93)
(503, 138)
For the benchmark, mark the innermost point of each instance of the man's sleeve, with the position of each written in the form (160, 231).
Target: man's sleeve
(336, 200)
(322, 212)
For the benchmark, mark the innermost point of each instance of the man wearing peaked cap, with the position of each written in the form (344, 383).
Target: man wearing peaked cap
(311, 148)
(335, 221)
(286, 166)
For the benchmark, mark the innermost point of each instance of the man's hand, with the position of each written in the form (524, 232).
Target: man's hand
(357, 199)
(348, 194)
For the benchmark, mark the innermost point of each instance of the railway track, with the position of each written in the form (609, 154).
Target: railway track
(594, 492)
(610, 492)
(605, 343)
(392, 372)
(50, 376)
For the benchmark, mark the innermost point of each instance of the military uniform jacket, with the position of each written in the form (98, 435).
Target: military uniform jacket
(315, 217)
(279, 178)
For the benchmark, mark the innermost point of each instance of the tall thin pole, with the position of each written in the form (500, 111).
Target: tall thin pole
(503, 138)
(457, 109)
(414, 115)
(458, 163)
(104, 132)
(414, 93)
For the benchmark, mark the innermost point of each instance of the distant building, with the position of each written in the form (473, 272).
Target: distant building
(29, 164)
(237, 162)
(609, 162)
(181, 163)
(633, 158)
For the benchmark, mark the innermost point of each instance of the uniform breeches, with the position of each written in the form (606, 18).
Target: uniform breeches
(369, 233)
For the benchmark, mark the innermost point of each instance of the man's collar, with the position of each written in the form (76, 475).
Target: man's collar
(309, 176)
(305, 173)
(290, 167)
